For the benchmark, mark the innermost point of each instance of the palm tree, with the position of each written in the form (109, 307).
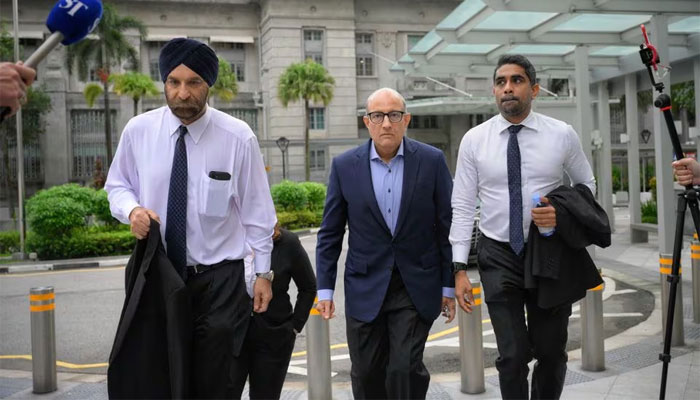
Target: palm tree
(307, 81)
(135, 85)
(91, 92)
(110, 48)
(226, 85)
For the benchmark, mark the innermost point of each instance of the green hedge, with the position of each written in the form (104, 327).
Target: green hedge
(9, 241)
(289, 196)
(299, 219)
(82, 243)
(315, 194)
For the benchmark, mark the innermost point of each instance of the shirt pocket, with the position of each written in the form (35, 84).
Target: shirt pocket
(216, 195)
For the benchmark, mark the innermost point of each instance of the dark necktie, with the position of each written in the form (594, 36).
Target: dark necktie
(517, 240)
(176, 223)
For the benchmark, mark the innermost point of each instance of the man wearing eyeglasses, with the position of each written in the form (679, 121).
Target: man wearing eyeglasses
(394, 194)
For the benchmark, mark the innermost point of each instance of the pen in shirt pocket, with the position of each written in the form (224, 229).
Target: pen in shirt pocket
(220, 175)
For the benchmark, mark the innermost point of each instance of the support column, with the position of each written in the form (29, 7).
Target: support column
(605, 184)
(665, 197)
(632, 124)
(583, 100)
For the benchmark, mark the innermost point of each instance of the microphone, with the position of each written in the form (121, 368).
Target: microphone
(69, 21)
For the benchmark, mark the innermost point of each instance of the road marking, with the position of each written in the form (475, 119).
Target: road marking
(614, 315)
(58, 363)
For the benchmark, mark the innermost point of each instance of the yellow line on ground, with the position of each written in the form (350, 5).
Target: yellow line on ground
(58, 363)
(431, 337)
(66, 271)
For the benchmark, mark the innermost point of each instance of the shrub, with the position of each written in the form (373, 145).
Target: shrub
(289, 196)
(649, 212)
(101, 210)
(54, 216)
(9, 241)
(315, 193)
(83, 243)
(287, 219)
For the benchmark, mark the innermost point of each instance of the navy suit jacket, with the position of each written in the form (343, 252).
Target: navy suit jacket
(420, 248)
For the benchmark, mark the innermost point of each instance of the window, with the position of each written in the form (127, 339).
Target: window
(153, 55)
(238, 68)
(316, 118)
(364, 48)
(420, 85)
(423, 122)
(88, 140)
(317, 159)
(313, 45)
(313, 36)
(234, 53)
(364, 66)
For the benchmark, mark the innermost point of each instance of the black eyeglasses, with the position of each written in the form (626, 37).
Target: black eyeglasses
(377, 117)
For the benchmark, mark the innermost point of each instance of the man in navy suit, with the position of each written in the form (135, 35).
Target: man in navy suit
(394, 195)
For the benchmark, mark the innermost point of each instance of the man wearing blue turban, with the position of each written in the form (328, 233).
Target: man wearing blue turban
(200, 174)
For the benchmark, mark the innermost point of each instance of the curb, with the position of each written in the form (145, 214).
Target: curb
(64, 265)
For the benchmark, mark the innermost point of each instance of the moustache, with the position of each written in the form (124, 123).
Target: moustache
(509, 98)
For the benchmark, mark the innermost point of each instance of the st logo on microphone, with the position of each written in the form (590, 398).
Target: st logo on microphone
(73, 5)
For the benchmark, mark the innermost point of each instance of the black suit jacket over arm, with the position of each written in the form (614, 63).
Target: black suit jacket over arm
(559, 265)
(151, 353)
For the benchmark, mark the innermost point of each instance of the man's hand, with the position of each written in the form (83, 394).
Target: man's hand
(544, 217)
(14, 79)
(448, 309)
(262, 294)
(463, 291)
(687, 171)
(140, 219)
(326, 308)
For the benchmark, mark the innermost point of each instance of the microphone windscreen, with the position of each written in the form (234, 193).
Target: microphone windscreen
(74, 19)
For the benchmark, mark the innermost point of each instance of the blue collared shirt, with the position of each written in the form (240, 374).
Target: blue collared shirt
(387, 180)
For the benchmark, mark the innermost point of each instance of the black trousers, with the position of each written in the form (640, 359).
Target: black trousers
(221, 310)
(543, 336)
(264, 359)
(387, 353)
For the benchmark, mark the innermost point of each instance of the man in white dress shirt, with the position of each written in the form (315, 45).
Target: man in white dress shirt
(502, 163)
(199, 172)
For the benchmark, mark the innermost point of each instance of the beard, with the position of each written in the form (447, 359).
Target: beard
(514, 107)
(187, 109)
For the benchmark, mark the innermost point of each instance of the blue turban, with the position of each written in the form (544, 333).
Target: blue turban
(199, 57)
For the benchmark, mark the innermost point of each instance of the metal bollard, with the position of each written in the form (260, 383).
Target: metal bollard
(471, 345)
(695, 259)
(677, 337)
(592, 336)
(318, 356)
(43, 331)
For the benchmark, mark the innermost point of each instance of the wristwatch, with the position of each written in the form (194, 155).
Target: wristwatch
(266, 275)
(458, 266)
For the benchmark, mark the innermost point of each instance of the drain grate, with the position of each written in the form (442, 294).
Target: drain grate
(437, 392)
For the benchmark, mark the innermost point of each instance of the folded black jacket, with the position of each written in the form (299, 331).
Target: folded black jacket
(151, 354)
(559, 266)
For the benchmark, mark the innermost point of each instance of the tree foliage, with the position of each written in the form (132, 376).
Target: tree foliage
(306, 81)
(226, 86)
(134, 85)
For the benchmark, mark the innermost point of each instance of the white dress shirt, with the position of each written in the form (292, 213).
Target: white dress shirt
(548, 149)
(226, 219)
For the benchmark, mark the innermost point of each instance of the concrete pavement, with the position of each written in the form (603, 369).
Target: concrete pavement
(633, 370)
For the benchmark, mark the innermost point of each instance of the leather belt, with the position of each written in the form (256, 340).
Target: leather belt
(201, 268)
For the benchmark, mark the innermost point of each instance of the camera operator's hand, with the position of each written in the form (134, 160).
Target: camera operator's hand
(687, 171)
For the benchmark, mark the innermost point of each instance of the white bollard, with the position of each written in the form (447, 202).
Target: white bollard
(471, 345)
(43, 330)
(318, 355)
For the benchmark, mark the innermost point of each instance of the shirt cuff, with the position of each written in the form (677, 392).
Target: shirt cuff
(325, 294)
(127, 208)
(262, 263)
(448, 292)
(460, 253)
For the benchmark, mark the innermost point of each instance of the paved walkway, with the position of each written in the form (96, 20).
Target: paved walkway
(633, 370)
